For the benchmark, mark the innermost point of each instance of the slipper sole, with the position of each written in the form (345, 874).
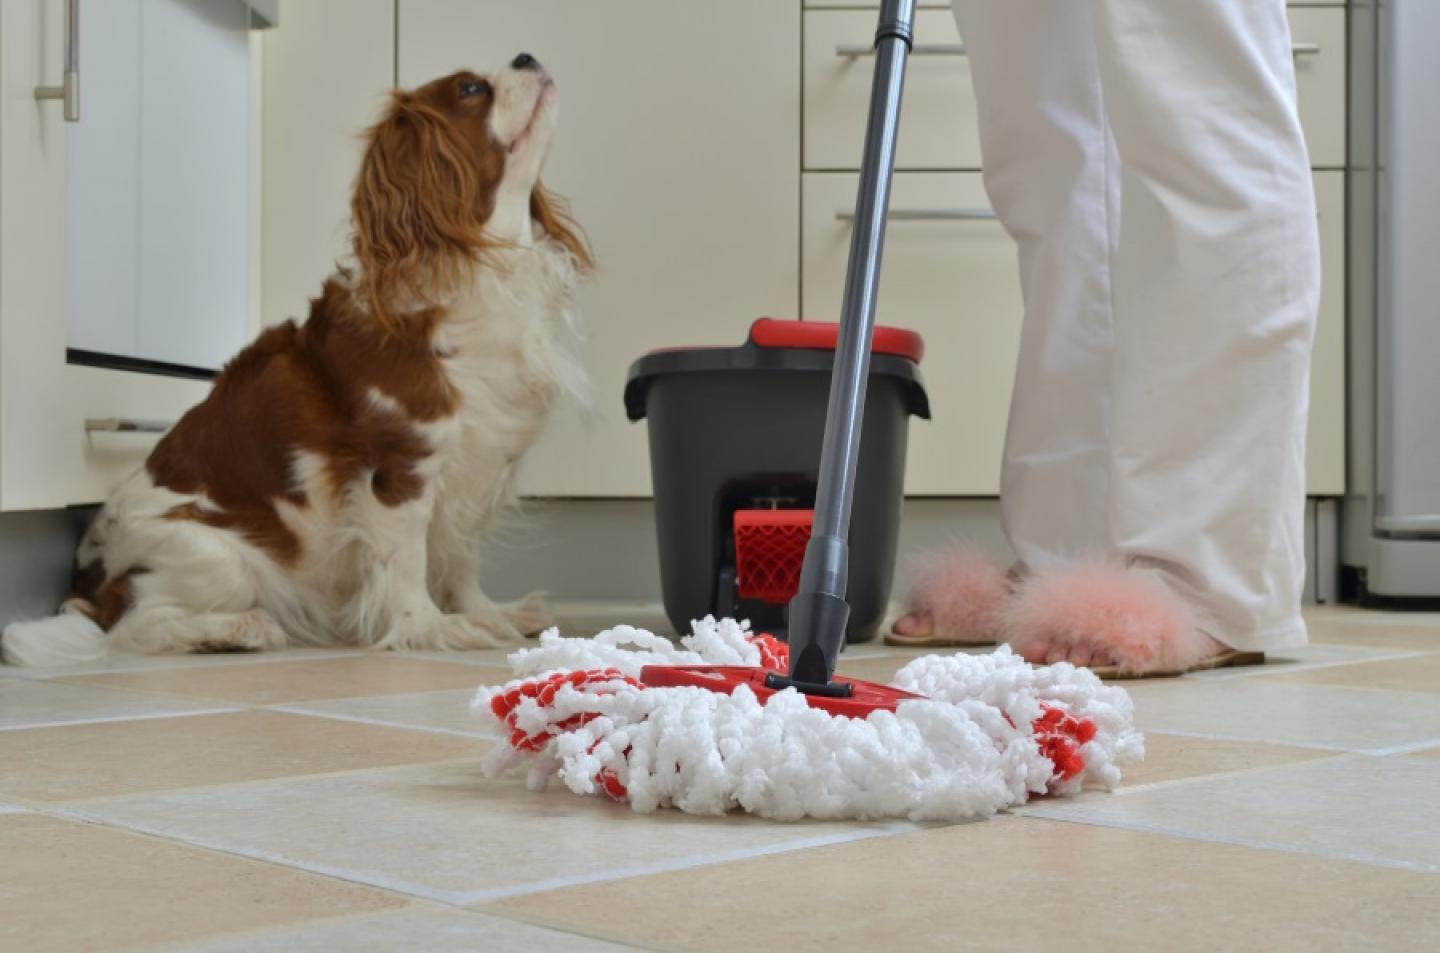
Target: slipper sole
(1231, 659)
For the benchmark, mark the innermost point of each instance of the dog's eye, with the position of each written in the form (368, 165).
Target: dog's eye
(474, 87)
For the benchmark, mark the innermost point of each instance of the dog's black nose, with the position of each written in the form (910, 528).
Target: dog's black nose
(524, 61)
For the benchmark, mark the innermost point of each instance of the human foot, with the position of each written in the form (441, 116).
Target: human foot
(956, 600)
(1119, 623)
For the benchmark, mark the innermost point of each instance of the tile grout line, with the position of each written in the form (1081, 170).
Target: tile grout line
(116, 719)
(542, 922)
(888, 829)
(381, 723)
(1207, 736)
(1253, 844)
(101, 799)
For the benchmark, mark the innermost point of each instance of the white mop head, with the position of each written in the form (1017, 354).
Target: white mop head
(993, 731)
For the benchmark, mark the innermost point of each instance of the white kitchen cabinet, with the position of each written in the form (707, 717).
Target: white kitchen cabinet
(51, 453)
(157, 183)
(678, 147)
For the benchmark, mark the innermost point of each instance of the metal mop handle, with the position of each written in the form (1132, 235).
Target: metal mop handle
(818, 613)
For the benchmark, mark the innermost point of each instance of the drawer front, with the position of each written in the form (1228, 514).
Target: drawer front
(938, 121)
(954, 281)
(1319, 38)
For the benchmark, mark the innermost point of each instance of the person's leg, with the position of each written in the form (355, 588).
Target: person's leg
(1216, 287)
(1050, 172)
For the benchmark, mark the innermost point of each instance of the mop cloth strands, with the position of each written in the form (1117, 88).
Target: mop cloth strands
(991, 732)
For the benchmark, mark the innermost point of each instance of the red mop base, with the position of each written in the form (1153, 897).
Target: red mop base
(865, 697)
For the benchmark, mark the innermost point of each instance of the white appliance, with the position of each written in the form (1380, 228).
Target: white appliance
(1391, 527)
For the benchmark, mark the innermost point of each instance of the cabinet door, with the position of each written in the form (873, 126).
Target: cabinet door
(48, 456)
(158, 183)
(678, 148)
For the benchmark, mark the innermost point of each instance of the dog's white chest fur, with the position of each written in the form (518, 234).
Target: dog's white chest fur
(508, 345)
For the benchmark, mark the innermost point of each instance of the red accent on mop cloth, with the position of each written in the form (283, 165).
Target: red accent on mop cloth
(769, 551)
(1060, 735)
(822, 335)
(774, 654)
(543, 691)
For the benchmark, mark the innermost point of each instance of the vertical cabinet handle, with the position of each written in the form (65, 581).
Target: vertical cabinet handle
(69, 90)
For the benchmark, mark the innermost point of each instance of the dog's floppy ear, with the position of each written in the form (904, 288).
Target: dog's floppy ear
(550, 212)
(416, 208)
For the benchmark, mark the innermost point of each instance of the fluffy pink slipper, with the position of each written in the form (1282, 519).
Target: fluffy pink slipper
(1147, 630)
(965, 595)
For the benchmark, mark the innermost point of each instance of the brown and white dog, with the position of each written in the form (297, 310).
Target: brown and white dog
(333, 486)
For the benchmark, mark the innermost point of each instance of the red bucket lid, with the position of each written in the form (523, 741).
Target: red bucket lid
(822, 336)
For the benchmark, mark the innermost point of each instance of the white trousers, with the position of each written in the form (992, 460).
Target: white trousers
(1147, 157)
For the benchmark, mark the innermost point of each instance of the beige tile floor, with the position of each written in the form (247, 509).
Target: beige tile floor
(332, 801)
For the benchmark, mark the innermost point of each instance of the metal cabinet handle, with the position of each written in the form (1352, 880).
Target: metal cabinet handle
(126, 425)
(855, 50)
(69, 90)
(929, 215)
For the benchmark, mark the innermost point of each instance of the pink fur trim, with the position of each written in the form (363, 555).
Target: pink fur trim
(964, 592)
(1145, 626)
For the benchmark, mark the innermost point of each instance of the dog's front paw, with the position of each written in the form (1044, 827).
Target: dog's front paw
(530, 614)
(252, 631)
(475, 630)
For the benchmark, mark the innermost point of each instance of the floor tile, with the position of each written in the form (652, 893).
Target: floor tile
(436, 711)
(1175, 757)
(446, 833)
(28, 704)
(417, 928)
(1303, 659)
(271, 684)
(1251, 709)
(1376, 810)
(1009, 884)
(66, 886)
(1393, 635)
(1420, 673)
(1373, 617)
(81, 761)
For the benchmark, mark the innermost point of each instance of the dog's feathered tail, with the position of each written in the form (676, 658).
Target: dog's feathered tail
(65, 639)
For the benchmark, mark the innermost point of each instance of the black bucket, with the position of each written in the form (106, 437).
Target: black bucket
(739, 429)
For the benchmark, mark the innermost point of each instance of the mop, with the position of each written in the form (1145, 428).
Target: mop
(737, 720)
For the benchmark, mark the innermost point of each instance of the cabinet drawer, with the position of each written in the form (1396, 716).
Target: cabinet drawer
(1320, 56)
(956, 282)
(953, 280)
(938, 122)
